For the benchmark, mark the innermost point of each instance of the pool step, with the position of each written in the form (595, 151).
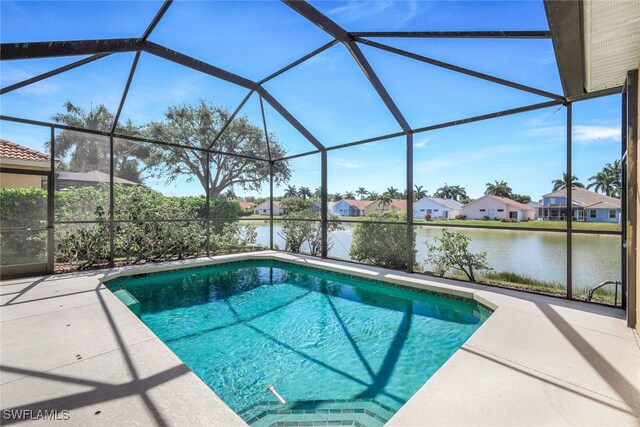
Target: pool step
(355, 412)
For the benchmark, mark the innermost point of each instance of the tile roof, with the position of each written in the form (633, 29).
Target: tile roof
(360, 204)
(450, 203)
(513, 203)
(246, 205)
(93, 176)
(587, 198)
(11, 150)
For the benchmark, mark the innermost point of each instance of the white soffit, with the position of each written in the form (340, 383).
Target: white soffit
(611, 41)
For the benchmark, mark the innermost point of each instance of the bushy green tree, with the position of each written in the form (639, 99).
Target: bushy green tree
(197, 126)
(303, 227)
(452, 252)
(381, 244)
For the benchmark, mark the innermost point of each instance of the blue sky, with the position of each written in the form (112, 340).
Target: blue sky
(329, 94)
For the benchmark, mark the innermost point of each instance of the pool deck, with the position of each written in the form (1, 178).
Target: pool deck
(68, 344)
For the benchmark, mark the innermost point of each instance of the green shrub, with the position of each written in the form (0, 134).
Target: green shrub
(452, 252)
(303, 227)
(381, 244)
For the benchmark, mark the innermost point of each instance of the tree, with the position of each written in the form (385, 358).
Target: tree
(385, 200)
(381, 244)
(85, 152)
(454, 192)
(336, 197)
(521, 198)
(349, 195)
(317, 193)
(230, 194)
(298, 229)
(362, 192)
(607, 181)
(291, 191)
(453, 252)
(304, 193)
(197, 126)
(419, 192)
(559, 184)
(498, 188)
(394, 193)
(373, 196)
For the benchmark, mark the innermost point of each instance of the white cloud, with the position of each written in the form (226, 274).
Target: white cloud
(582, 134)
(595, 134)
(423, 142)
(349, 164)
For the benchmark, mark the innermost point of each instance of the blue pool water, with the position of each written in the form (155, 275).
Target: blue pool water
(313, 335)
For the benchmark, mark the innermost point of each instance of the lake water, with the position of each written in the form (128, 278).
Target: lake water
(538, 254)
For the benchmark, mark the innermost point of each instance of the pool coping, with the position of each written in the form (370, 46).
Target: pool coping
(604, 372)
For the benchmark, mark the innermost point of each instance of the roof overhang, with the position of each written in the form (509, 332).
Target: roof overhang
(596, 42)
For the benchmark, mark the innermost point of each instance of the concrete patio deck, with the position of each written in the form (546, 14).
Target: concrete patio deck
(68, 344)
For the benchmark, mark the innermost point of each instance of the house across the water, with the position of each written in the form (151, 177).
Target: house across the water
(264, 208)
(435, 207)
(494, 207)
(586, 206)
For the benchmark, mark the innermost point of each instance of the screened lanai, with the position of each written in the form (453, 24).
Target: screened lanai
(171, 130)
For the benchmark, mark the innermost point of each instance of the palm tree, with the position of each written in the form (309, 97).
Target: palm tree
(454, 192)
(230, 194)
(393, 192)
(444, 192)
(362, 192)
(317, 193)
(373, 195)
(498, 188)
(419, 192)
(304, 192)
(291, 191)
(349, 195)
(559, 184)
(385, 200)
(607, 181)
(336, 197)
(459, 194)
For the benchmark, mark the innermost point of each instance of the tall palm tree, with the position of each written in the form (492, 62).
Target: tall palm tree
(304, 192)
(393, 192)
(317, 193)
(459, 194)
(336, 197)
(385, 200)
(607, 181)
(559, 184)
(291, 191)
(419, 192)
(444, 192)
(230, 194)
(373, 195)
(349, 195)
(362, 192)
(498, 188)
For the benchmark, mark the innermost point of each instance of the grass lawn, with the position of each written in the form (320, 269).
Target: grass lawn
(526, 225)
(555, 225)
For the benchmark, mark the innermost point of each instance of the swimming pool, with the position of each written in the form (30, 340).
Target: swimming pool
(335, 347)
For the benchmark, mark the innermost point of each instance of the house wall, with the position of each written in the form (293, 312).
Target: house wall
(437, 210)
(341, 208)
(15, 180)
(474, 209)
(602, 215)
(263, 209)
